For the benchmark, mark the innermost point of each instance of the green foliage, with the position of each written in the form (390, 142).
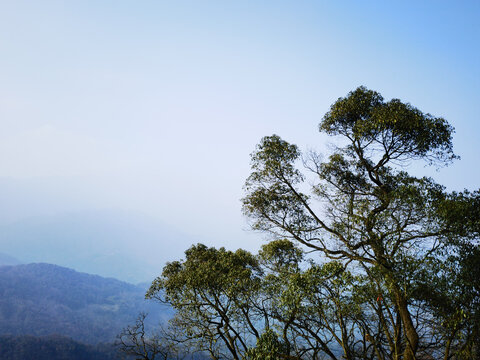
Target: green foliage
(206, 272)
(281, 255)
(269, 347)
(406, 132)
(211, 291)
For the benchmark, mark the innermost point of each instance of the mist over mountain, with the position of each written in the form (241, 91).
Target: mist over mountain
(8, 260)
(45, 299)
(126, 246)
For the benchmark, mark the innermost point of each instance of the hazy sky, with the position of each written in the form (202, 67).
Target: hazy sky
(155, 106)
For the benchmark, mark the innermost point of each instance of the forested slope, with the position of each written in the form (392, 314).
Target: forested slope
(43, 299)
(53, 347)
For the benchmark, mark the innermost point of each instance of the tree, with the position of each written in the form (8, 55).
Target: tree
(134, 340)
(366, 212)
(211, 291)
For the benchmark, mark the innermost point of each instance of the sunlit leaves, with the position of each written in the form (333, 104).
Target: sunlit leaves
(400, 130)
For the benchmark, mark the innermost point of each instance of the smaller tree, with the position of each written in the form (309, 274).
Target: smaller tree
(212, 291)
(135, 341)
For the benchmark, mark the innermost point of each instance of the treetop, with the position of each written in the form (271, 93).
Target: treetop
(399, 130)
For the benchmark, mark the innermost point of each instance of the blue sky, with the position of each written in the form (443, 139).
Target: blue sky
(153, 107)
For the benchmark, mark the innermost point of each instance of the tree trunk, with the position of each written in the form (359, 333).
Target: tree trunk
(409, 328)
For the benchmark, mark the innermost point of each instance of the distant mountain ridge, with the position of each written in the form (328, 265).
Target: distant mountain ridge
(127, 246)
(42, 299)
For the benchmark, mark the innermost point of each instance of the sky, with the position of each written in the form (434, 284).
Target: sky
(153, 107)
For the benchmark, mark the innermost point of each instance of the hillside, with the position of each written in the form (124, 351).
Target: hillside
(43, 299)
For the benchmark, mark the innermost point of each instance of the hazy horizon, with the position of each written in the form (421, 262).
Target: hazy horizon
(152, 108)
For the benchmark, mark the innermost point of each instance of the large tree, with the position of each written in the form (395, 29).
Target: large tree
(367, 212)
